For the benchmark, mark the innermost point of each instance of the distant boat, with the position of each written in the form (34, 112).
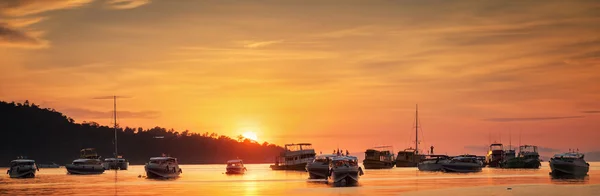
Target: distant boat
(433, 162)
(22, 168)
(380, 157)
(118, 162)
(88, 163)
(569, 164)
(528, 158)
(462, 164)
(345, 169)
(319, 167)
(162, 167)
(410, 157)
(295, 157)
(235, 167)
(495, 155)
(53, 165)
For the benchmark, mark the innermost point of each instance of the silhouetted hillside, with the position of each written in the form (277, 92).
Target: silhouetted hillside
(47, 136)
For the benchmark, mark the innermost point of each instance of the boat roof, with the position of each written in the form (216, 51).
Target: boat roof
(299, 144)
(23, 161)
(338, 158)
(569, 155)
(113, 159)
(409, 150)
(462, 157)
(496, 144)
(162, 158)
(326, 155)
(235, 161)
(436, 155)
(84, 160)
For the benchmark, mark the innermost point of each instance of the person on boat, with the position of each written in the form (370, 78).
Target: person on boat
(431, 151)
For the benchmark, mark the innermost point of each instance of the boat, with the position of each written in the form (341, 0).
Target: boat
(295, 157)
(495, 155)
(53, 165)
(462, 164)
(162, 167)
(88, 163)
(569, 164)
(528, 158)
(117, 162)
(410, 157)
(319, 167)
(380, 157)
(235, 167)
(433, 162)
(482, 160)
(22, 168)
(344, 169)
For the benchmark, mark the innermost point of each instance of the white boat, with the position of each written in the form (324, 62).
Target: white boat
(462, 164)
(319, 167)
(88, 163)
(344, 169)
(162, 167)
(295, 157)
(433, 162)
(569, 164)
(118, 162)
(236, 167)
(115, 164)
(22, 168)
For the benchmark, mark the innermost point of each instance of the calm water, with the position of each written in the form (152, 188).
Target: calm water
(260, 180)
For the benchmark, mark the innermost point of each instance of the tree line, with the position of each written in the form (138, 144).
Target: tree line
(46, 135)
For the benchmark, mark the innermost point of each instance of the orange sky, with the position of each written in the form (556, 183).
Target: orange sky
(333, 73)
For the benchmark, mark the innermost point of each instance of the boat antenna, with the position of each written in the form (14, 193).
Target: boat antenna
(417, 129)
(115, 115)
(509, 140)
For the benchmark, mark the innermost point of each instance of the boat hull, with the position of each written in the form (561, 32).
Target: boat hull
(236, 170)
(517, 163)
(431, 165)
(575, 168)
(84, 169)
(22, 172)
(296, 167)
(318, 172)
(349, 175)
(162, 172)
(404, 163)
(116, 166)
(376, 164)
(461, 167)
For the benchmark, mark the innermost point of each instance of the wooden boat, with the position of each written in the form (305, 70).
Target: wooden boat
(495, 155)
(528, 158)
(410, 157)
(380, 157)
(295, 157)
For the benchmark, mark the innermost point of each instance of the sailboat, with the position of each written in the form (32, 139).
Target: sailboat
(118, 162)
(410, 157)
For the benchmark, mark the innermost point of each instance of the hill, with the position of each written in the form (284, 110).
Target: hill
(48, 136)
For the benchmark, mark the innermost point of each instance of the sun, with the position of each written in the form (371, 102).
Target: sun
(250, 135)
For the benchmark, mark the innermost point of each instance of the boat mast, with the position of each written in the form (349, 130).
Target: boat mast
(417, 129)
(115, 115)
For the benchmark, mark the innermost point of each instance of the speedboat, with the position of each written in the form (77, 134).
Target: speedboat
(295, 157)
(380, 157)
(495, 155)
(528, 158)
(162, 167)
(115, 164)
(569, 164)
(344, 169)
(22, 168)
(462, 164)
(88, 163)
(433, 162)
(319, 167)
(235, 167)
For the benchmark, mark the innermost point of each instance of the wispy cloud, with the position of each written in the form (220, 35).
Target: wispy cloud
(28, 7)
(531, 118)
(126, 4)
(14, 37)
(259, 44)
(591, 111)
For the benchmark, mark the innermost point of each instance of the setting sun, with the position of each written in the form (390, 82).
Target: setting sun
(250, 135)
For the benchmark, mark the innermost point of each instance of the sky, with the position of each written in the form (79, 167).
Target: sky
(345, 74)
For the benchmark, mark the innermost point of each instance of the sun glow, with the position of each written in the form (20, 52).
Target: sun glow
(250, 135)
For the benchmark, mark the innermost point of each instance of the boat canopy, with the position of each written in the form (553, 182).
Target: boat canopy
(23, 161)
(569, 155)
(234, 161)
(528, 148)
(162, 158)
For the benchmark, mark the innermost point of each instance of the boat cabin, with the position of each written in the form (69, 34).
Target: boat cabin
(409, 154)
(236, 162)
(381, 153)
(324, 158)
(344, 161)
(20, 162)
(568, 156)
(163, 160)
(115, 160)
(464, 159)
(87, 162)
(88, 153)
(296, 154)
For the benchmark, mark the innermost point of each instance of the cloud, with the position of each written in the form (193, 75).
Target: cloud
(126, 4)
(259, 44)
(530, 118)
(591, 111)
(28, 7)
(13, 37)
(92, 114)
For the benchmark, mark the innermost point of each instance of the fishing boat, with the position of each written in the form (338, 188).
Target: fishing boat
(410, 157)
(235, 166)
(22, 168)
(344, 169)
(379, 157)
(433, 162)
(462, 164)
(162, 167)
(495, 155)
(528, 158)
(117, 162)
(569, 164)
(295, 157)
(88, 163)
(319, 167)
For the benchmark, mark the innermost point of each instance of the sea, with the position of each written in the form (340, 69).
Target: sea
(261, 180)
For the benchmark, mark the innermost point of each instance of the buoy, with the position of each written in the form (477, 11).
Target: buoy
(509, 188)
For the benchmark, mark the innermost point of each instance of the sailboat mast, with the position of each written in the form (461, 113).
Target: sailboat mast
(115, 115)
(417, 129)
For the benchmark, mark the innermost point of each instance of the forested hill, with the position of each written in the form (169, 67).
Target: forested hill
(46, 136)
